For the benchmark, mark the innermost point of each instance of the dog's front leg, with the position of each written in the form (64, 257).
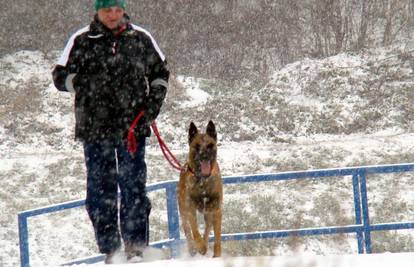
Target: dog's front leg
(184, 213)
(192, 218)
(217, 217)
(208, 220)
(187, 232)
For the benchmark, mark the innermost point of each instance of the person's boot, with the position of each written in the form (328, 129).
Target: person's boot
(109, 258)
(133, 253)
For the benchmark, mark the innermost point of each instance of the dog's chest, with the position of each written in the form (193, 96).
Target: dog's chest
(203, 196)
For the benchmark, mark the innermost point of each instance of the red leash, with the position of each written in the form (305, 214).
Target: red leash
(132, 142)
(167, 153)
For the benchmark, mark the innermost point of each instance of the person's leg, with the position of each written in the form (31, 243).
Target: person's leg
(135, 205)
(101, 197)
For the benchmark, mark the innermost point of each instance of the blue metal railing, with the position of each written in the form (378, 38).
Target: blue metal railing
(362, 227)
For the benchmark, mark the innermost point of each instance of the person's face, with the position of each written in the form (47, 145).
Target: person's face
(111, 16)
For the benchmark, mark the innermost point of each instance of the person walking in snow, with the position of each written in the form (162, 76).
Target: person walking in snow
(116, 70)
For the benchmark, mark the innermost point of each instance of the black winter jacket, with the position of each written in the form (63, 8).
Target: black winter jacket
(115, 77)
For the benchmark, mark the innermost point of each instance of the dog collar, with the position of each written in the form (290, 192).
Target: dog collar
(190, 170)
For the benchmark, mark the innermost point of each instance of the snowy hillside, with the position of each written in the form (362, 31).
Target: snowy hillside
(347, 110)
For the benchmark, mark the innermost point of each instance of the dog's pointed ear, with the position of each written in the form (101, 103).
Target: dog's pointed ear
(192, 132)
(211, 130)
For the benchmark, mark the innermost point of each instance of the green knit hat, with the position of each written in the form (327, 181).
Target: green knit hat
(109, 3)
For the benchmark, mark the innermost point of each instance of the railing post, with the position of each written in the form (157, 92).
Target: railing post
(357, 204)
(365, 213)
(173, 219)
(23, 240)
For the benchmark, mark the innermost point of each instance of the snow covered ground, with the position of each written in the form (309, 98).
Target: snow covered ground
(336, 112)
(300, 260)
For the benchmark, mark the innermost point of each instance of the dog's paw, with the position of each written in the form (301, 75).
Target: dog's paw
(192, 252)
(202, 248)
(192, 249)
(217, 250)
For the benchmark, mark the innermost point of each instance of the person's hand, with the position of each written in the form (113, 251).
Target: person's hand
(143, 127)
(154, 102)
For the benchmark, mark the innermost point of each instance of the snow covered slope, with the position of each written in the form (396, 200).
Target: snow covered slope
(347, 110)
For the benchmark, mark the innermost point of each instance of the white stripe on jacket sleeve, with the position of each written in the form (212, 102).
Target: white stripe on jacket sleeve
(66, 52)
(154, 43)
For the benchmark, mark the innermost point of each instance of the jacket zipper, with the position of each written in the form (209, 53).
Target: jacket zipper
(114, 47)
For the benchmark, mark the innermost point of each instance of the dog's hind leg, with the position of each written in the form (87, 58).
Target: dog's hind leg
(217, 217)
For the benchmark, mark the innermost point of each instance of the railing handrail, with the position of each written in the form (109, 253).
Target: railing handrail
(362, 227)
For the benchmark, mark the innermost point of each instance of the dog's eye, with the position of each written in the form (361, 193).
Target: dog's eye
(197, 147)
(210, 146)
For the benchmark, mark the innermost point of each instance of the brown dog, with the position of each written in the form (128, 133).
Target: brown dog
(200, 188)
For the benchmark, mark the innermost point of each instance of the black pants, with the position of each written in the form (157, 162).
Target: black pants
(110, 166)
